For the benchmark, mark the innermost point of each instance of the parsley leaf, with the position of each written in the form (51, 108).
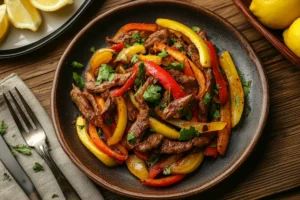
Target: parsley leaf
(236, 100)
(141, 74)
(131, 138)
(207, 98)
(217, 86)
(139, 39)
(100, 133)
(81, 126)
(78, 80)
(54, 196)
(167, 170)
(195, 28)
(176, 65)
(247, 111)
(77, 65)
(6, 177)
(216, 114)
(163, 53)
(3, 127)
(127, 44)
(178, 46)
(92, 49)
(153, 161)
(134, 59)
(162, 106)
(38, 167)
(188, 133)
(246, 87)
(189, 54)
(105, 73)
(21, 148)
(152, 93)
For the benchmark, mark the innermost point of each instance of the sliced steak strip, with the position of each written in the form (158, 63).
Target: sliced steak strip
(201, 141)
(158, 36)
(110, 104)
(119, 79)
(151, 142)
(176, 108)
(202, 34)
(181, 77)
(84, 106)
(89, 77)
(194, 55)
(132, 111)
(127, 37)
(175, 147)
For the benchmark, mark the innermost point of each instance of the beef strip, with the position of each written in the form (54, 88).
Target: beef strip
(110, 104)
(163, 103)
(176, 108)
(202, 34)
(142, 121)
(203, 111)
(201, 141)
(194, 55)
(84, 106)
(127, 37)
(175, 147)
(181, 77)
(119, 79)
(89, 77)
(179, 45)
(132, 111)
(152, 141)
(92, 101)
(158, 36)
(166, 61)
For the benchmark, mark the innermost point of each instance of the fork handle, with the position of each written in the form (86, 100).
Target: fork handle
(66, 187)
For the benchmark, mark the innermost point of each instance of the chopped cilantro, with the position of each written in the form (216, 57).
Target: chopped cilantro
(174, 41)
(153, 161)
(100, 133)
(38, 167)
(216, 114)
(178, 46)
(195, 28)
(189, 54)
(188, 133)
(246, 87)
(92, 49)
(81, 127)
(127, 44)
(54, 196)
(131, 138)
(78, 80)
(141, 74)
(176, 65)
(77, 65)
(207, 98)
(217, 86)
(169, 42)
(139, 39)
(152, 93)
(21, 148)
(134, 59)
(247, 111)
(108, 120)
(105, 73)
(216, 91)
(167, 170)
(6, 177)
(162, 106)
(3, 127)
(163, 53)
(236, 100)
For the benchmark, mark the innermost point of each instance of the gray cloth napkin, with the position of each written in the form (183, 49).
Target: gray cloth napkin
(44, 181)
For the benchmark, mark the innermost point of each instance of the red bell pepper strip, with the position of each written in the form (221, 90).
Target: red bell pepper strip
(135, 26)
(141, 155)
(166, 80)
(223, 93)
(127, 85)
(102, 146)
(187, 69)
(117, 47)
(163, 181)
(211, 151)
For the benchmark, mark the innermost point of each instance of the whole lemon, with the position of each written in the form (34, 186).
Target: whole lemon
(291, 37)
(276, 14)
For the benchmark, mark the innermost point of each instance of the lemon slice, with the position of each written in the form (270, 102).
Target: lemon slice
(23, 15)
(50, 5)
(3, 21)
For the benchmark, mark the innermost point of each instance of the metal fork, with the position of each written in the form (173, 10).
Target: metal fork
(36, 138)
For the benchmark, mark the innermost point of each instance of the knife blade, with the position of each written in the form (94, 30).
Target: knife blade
(15, 169)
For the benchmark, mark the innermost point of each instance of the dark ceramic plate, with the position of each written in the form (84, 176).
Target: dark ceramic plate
(223, 35)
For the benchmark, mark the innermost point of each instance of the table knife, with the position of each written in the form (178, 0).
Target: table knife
(15, 169)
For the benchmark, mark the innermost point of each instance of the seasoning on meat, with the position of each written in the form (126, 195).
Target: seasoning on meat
(151, 142)
(175, 147)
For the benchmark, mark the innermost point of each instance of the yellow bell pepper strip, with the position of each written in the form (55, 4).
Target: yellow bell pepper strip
(135, 26)
(235, 88)
(202, 127)
(157, 125)
(137, 167)
(194, 37)
(163, 181)
(211, 152)
(122, 122)
(101, 56)
(125, 55)
(224, 135)
(194, 71)
(188, 164)
(153, 58)
(88, 143)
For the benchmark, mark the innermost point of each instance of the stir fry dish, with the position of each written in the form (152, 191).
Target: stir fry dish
(158, 99)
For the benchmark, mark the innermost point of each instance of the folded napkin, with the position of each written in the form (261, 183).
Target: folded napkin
(44, 181)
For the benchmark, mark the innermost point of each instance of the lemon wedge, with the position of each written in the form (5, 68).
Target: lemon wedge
(291, 37)
(23, 15)
(4, 23)
(50, 5)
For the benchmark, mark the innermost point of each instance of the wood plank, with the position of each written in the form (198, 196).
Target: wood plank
(274, 165)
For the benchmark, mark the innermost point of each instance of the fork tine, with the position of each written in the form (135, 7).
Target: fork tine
(29, 110)
(19, 109)
(12, 112)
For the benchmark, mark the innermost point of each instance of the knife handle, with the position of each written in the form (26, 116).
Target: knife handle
(65, 186)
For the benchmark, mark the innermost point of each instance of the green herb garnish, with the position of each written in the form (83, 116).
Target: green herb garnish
(77, 65)
(108, 120)
(81, 127)
(246, 87)
(163, 53)
(134, 59)
(176, 65)
(153, 161)
(106, 73)
(92, 49)
(167, 170)
(236, 100)
(54, 196)
(20, 148)
(152, 93)
(131, 138)
(78, 80)
(38, 167)
(141, 74)
(3, 127)
(216, 114)
(195, 28)
(139, 39)
(188, 133)
(207, 98)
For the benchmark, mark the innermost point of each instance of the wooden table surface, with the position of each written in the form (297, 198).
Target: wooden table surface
(273, 169)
